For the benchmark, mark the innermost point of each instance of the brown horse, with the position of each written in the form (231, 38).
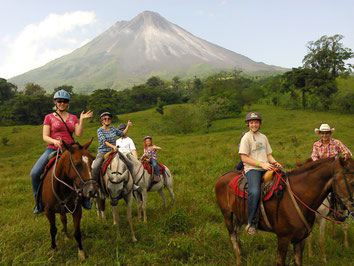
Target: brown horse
(311, 183)
(324, 211)
(68, 179)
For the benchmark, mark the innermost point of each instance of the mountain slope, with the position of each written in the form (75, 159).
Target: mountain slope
(131, 51)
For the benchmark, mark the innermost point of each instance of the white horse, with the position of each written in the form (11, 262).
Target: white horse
(142, 178)
(117, 183)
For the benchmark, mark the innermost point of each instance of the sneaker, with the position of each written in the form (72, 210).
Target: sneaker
(37, 209)
(136, 188)
(86, 203)
(251, 229)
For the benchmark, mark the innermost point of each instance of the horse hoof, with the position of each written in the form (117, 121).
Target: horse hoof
(51, 251)
(134, 239)
(81, 255)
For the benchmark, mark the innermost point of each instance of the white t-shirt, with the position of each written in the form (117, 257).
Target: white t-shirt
(256, 146)
(125, 144)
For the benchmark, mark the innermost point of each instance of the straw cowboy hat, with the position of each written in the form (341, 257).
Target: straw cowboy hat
(324, 127)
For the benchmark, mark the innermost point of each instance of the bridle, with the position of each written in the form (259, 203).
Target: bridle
(116, 182)
(74, 189)
(347, 186)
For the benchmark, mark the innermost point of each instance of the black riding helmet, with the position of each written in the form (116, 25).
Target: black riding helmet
(253, 116)
(122, 126)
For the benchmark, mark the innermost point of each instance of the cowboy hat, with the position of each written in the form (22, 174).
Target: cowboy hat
(324, 127)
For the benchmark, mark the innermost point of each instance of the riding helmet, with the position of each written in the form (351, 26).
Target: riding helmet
(61, 94)
(106, 113)
(122, 126)
(147, 137)
(253, 116)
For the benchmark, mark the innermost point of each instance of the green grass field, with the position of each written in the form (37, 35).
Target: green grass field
(191, 231)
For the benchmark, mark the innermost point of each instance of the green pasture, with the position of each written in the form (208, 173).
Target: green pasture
(191, 231)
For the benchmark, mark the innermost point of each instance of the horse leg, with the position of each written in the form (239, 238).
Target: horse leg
(137, 197)
(170, 190)
(144, 199)
(283, 244)
(345, 229)
(64, 221)
(53, 229)
(298, 250)
(321, 237)
(128, 201)
(162, 195)
(309, 243)
(77, 232)
(115, 216)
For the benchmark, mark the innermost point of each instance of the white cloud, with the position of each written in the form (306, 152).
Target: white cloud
(37, 44)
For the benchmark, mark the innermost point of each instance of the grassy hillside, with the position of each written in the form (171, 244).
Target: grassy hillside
(191, 231)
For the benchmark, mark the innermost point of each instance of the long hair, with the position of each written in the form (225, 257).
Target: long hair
(144, 142)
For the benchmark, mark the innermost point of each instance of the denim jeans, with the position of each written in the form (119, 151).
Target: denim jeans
(254, 178)
(37, 170)
(96, 166)
(156, 167)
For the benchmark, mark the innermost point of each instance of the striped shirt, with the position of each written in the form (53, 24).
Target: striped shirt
(332, 149)
(109, 136)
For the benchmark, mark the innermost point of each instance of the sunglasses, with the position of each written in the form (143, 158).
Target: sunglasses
(106, 118)
(62, 101)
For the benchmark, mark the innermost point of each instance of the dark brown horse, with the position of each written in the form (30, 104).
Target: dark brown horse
(311, 183)
(68, 179)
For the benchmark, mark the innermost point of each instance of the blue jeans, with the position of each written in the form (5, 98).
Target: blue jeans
(37, 169)
(156, 167)
(254, 179)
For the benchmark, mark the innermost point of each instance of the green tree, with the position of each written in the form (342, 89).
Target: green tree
(7, 90)
(154, 81)
(328, 55)
(103, 100)
(33, 89)
(67, 88)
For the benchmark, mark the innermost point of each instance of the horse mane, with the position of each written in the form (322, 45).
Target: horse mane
(310, 166)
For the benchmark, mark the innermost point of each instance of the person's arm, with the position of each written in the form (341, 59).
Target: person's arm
(127, 127)
(273, 161)
(315, 155)
(344, 150)
(135, 153)
(48, 139)
(114, 147)
(79, 126)
(264, 165)
(157, 148)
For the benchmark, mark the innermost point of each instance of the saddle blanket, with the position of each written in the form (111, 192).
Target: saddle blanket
(148, 167)
(269, 188)
(107, 162)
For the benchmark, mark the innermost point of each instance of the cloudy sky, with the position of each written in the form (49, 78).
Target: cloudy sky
(34, 32)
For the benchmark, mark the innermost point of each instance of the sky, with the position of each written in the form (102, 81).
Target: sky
(276, 32)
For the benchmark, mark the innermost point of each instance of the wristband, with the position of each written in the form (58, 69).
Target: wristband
(257, 164)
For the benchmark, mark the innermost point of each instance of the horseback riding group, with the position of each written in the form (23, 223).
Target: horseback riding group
(66, 175)
(259, 194)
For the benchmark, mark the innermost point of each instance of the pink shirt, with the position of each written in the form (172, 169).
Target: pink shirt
(58, 129)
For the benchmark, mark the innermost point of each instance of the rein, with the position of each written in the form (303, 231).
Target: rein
(292, 194)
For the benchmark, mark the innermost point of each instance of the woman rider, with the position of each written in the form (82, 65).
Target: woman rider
(106, 135)
(150, 151)
(54, 132)
(256, 155)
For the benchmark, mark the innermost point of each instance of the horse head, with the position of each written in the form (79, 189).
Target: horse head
(343, 184)
(78, 167)
(116, 179)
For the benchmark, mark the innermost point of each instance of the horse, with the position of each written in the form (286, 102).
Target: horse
(64, 184)
(311, 184)
(117, 183)
(323, 210)
(142, 178)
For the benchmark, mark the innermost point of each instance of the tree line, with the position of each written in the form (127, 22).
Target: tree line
(219, 95)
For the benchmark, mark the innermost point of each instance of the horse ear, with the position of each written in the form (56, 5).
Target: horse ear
(87, 143)
(67, 146)
(298, 162)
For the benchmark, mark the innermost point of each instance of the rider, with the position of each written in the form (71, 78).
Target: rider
(150, 152)
(55, 130)
(106, 135)
(327, 146)
(124, 143)
(256, 155)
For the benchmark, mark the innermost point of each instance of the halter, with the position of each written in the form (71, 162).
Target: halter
(350, 197)
(74, 189)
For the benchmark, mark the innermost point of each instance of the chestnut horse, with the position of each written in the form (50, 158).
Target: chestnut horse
(68, 179)
(310, 183)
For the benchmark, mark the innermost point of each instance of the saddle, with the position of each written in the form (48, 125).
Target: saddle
(271, 184)
(148, 166)
(107, 160)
